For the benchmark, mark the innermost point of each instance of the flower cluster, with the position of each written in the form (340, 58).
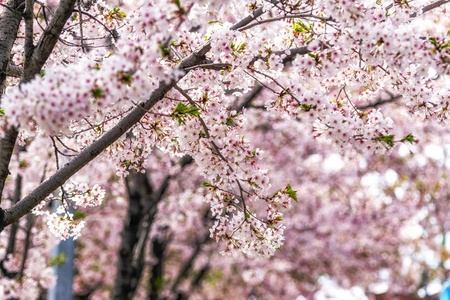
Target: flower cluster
(64, 226)
(63, 223)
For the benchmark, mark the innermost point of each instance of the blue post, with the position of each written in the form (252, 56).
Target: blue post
(63, 270)
(445, 293)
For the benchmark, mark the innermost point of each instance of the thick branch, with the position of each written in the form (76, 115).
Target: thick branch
(43, 190)
(27, 246)
(6, 149)
(140, 217)
(139, 190)
(13, 232)
(47, 42)
(9, 25)
(159, 247)
(431, 6)
(189, 263)
(255, 92)
(34, 60)
(12, 235)
(239, 25)
(14, 71)
(28, 16)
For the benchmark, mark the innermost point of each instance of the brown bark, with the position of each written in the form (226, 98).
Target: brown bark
(128, 274)
(9, 25)
(142, 209)
(35, 58)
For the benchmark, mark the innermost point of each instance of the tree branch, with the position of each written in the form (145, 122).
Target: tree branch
(222, 66)
(188, 264)
(284, 17)
(239, 25)
(159, 247)
(13, 232)
(255, 92)
(47, 41)
(138, 190)
(9, 25)
(34, 60)
(380, 102)
(431, 6)
(140, 217)
(28, 244)
(88, 154)
(28, 17)
(14, 71)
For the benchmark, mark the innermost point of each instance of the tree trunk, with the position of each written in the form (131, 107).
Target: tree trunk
(9, 25)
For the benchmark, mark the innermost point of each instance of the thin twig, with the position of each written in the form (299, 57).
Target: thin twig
(380, 102)
(56, 150)
(277, 83)
(81, 28)
(61, 142)
(112, 32)
(294, 16)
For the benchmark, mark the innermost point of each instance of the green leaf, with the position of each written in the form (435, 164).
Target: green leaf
(165, 51)
(42, 74)
(214, 277)
(177, 3)
(58, 260)
(308, 107)
(445, 45)
(433, 40)
(79, 215)
(274, 194)
(159, 282)
(409, 138)
(22, 163)
(125, 77)
(388, 139)
(253, 153)
(299, 27)
(238, 48)
(2, 112)
(97, 93)
(179, 119)
(206, 184)
(230, 121)
(116, 13)
(182, 109)
(291, 192)
(193, 111)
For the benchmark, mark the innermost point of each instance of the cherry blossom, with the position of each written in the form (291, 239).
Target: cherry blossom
(286, 110)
